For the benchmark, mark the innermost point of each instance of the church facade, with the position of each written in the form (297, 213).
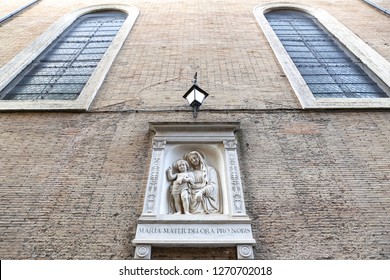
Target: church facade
(86, 88)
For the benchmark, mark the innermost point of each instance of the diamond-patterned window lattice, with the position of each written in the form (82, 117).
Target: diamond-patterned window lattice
(63, 69)
(327, 69)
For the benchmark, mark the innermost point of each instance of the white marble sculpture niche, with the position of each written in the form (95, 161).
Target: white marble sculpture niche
(196, 162)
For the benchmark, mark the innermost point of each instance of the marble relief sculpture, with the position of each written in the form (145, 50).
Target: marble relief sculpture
(195, 188)
(194, 196)
(180, 186)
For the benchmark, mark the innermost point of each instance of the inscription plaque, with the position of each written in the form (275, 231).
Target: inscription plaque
(194, 234)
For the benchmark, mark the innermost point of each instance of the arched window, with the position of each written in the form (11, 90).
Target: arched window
(326, 68)
(63, 69)
(322, 70)
(67, 73)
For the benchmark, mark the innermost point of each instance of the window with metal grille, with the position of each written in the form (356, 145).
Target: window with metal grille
(63, 69)
(328, 70)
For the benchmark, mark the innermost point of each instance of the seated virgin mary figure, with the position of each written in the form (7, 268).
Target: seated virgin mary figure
(204, 192)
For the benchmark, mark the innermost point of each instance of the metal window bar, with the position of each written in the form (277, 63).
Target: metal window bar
(63, 69)
(327, 69)
(378, 7)
(17, 11)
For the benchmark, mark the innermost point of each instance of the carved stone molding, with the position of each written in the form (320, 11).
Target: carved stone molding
(245, 252)
(159, 145)
(143, 252)
(154, 173)
(234, 176)
(230, 144)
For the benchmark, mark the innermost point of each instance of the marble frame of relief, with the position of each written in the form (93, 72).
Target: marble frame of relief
(218, 218)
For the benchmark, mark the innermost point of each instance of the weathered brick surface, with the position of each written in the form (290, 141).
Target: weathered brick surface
(316, 182)
(201, 253)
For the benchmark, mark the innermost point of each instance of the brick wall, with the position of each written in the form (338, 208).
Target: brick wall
(316, 182)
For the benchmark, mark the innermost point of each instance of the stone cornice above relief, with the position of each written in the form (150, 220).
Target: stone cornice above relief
(191, 126)
(184, 130)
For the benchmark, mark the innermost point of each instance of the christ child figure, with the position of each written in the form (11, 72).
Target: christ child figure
(180, 186)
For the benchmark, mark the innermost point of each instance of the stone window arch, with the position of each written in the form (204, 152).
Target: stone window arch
(65, 67)
(327, 75)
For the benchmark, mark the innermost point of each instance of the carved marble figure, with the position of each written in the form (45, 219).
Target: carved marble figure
(204, 193)
(180, 186)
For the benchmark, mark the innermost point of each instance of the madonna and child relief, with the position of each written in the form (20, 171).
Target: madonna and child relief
(194, 187)
(194, 196)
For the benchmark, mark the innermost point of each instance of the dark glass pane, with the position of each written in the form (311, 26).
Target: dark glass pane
(327, 69)
(63, 69)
